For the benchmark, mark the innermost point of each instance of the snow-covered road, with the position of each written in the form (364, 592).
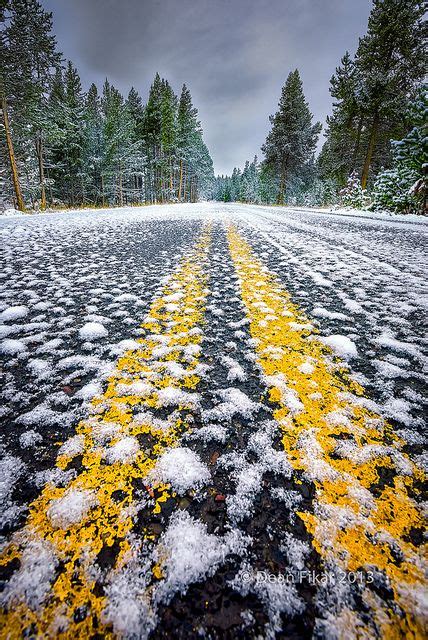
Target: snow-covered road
(212, 422)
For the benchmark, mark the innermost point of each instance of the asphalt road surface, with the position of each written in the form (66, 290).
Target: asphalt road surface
(212, 424)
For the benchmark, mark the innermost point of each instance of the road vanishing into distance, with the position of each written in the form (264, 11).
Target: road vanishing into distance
(212, 424)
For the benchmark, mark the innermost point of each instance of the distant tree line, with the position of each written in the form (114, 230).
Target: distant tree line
(63, 146)
(375, 150)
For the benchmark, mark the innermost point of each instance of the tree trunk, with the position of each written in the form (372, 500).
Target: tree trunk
(180, 184)
(102, 191)
(39, 151)
(370, 150)
(15, 178)
(185, 187)
(280, 199)
(171, 180)
(147, 186)
(357, 144)
(135, 198)
(120, 186)
(49, 188)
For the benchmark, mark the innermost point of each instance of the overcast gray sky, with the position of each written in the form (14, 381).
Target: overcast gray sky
(234, 55)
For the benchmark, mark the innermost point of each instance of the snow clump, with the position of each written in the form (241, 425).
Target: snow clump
(92, 331)
(182, 469)
(125, 450)
(13, 313)
(71, 508)
(341, 345)
(12, 347)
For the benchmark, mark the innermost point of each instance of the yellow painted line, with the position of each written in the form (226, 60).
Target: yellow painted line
(103, 491)
(358, 524)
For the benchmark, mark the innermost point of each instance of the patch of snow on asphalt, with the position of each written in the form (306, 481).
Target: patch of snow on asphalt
(92, 331)
(14, 313)
(234, 402)
(188, 553)
(341, 345)
(173, 396)
(12, 347)
(11, 470)
(128, 608)
(30, 439)
(182, 469)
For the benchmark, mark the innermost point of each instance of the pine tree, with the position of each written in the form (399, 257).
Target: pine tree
(235, 187)
(292, 140)
(353, 195)
(152, 136)
(254, 182)
(28, 64)
(168, 139)
(227, 197)
(187, 127)
(93, 146)
(135, 109)
(391, 59)
(203, 171)
(195, 167)
(244, 192)
(74, 135)
(134, 105)
(56, 137)
(118, 147)
(341, 151)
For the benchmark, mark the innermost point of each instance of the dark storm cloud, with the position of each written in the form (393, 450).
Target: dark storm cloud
(234, 55)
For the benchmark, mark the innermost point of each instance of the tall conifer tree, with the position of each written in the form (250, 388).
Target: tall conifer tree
(292, 140)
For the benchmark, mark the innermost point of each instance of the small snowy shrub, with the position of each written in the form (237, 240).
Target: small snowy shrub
(353, 195)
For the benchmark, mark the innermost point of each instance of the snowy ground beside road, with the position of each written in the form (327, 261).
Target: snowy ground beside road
(224, 488)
